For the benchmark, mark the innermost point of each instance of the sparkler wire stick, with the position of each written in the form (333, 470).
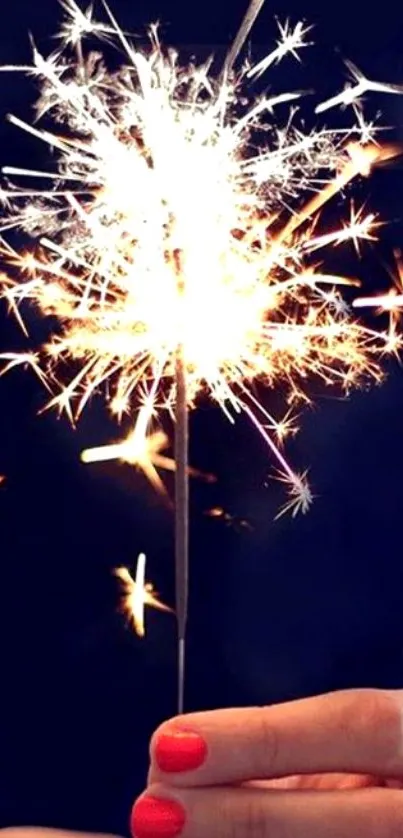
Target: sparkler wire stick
(181, 488)
(181, 517)
(246, 26)
(182, 433)
(182, 436)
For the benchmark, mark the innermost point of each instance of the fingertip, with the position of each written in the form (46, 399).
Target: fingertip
(157, 814)
(178, 750)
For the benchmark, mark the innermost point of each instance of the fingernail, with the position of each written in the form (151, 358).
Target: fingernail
(180, 750)
(156, 818)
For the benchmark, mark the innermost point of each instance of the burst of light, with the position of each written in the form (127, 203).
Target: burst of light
(136, 594)
(160, 171)
(2, 479)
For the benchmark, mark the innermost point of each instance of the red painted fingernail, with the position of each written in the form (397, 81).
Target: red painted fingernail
(180, 750)
(156, 818)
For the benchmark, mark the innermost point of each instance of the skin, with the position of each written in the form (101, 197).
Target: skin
(326, 767)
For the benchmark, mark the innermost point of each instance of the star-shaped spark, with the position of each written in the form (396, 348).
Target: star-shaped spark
(79, 23)
(353, 93)
(143, 450)
(136, 594)
(291, 40)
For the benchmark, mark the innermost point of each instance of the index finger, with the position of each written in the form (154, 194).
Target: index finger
(355, 731)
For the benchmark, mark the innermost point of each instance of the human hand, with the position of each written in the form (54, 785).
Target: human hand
(326, 767)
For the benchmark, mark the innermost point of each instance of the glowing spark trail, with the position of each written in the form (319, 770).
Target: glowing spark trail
(144, 452)
(137, 593)
(176, 224)
(390, 303)
(352, 93)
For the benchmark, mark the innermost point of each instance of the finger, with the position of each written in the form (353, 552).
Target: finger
(252, 813)
(356, 732)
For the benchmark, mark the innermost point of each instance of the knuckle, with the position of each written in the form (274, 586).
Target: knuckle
(255, 819)
(371, 720)
(266, 744)
(248, 818)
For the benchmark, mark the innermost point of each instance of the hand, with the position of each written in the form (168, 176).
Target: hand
(326, 767)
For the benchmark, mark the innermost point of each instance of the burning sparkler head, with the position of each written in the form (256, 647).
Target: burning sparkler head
(163, 224)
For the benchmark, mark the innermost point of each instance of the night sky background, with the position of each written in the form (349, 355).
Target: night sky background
(277, 610)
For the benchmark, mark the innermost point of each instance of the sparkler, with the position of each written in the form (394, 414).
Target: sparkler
(175, 232)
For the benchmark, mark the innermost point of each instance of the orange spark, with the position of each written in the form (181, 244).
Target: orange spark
(143, 451)
(230, 520)
(137, 593)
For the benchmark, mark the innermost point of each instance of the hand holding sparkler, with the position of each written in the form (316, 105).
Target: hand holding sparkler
(331, 762)
(266, 772)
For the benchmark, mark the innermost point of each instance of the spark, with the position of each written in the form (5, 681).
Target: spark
(136, 594)
(291, 41)
(286, 427)
(78, 24)
(233, 521)
(385, 302)
(300, 494)
(393, 300)
(156, 170)
(357, 229)
(353, 93)
(144, 452)
(24, 359)
(390, 303)
(2, 479)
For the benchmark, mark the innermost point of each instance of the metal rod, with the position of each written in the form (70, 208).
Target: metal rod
(243, 32)
(181, 518)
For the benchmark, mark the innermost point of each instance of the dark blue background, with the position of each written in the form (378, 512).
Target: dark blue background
(288, 609)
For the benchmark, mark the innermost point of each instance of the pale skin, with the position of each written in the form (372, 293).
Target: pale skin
(327, 767)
